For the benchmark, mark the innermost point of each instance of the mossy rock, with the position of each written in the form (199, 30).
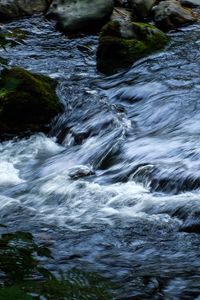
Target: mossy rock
(27, 101)
(122, 43)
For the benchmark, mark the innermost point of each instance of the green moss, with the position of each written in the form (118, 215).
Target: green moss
(16, 33)
(112, 28)
(13, 293)
(156, 41)
(3, 93)
(7, 39)
(150, 35)
(27, 101)
(115, 53)
(140, 27)
(120, 44)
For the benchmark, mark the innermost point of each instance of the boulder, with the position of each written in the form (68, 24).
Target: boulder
(121, 3)
(27, 101)
(121, 14)
(80, 15)
(190, 3)
(80, 172)
(13, 9)
(191, 224)
(170, 13)
(142, 8)
(122, 43)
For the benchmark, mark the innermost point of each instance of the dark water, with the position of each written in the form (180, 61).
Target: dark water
(135, 217)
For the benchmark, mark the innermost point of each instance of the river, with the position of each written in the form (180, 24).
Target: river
(114, 187)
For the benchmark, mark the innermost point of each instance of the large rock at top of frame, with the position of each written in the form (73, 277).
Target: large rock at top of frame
(80, 15)
(18, 8)
(190, 3)
(171, 14)
(142, 8)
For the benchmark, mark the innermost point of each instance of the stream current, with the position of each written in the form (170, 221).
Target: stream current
(114, 187)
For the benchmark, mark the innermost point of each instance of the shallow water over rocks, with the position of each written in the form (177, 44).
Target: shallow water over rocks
(131, 141)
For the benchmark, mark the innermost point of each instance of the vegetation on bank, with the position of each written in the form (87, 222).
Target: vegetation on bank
(23, 278)
(6, 38)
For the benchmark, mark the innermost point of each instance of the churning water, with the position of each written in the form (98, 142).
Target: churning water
(115, 186)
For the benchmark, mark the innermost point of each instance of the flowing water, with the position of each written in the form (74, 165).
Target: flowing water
(114, 188)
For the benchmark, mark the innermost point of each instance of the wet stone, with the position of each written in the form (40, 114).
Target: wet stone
(191, 224)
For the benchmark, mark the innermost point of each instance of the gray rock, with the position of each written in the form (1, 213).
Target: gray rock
(80, 15)
(80, 171)
(121, 3)
(191, 224)
(142, 8)
(18, 8)
(190, 3)
(121, 14)
(170, 13)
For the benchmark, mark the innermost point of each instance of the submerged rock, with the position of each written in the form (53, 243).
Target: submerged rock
(80, 171)
(170, 13)
(27, 101)
(191, 224)
(122, 43)
(13, 9)
(80, 15)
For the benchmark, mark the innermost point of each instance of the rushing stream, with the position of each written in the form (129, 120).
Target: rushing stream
(114, 188)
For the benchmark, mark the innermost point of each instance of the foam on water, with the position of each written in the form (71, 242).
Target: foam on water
(9, 174)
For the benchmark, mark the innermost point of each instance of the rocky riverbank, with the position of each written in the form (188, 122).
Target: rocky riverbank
(113, 188)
